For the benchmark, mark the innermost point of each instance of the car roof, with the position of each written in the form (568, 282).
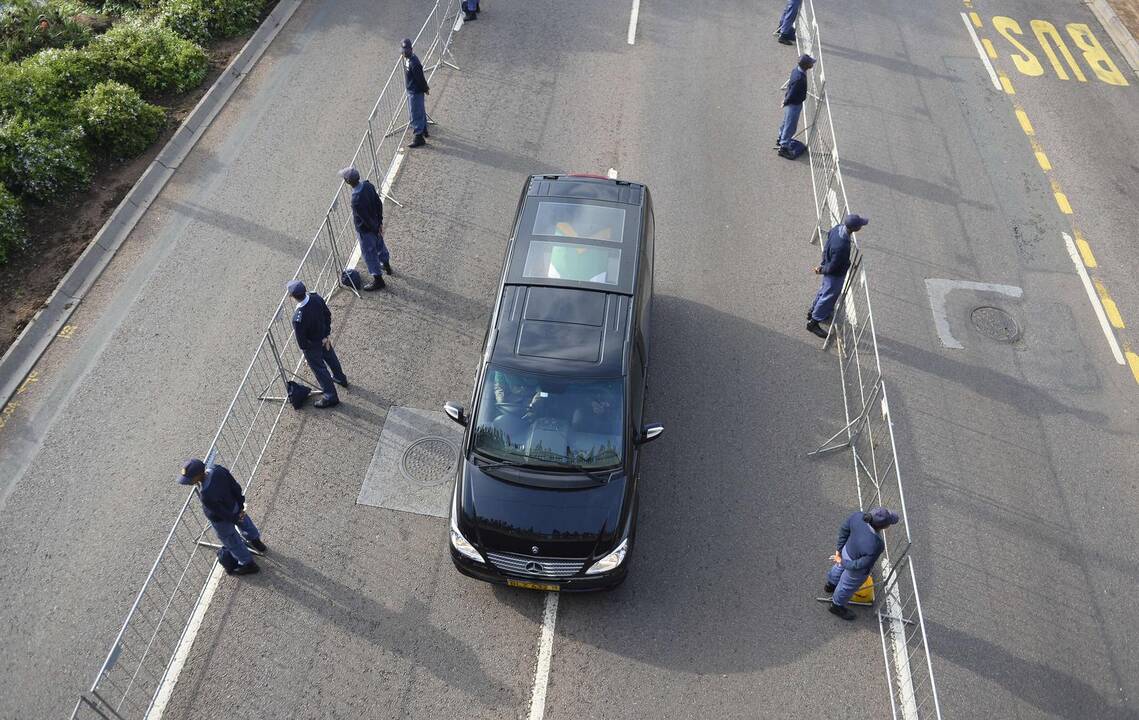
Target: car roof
(562, 331)
(577, 231)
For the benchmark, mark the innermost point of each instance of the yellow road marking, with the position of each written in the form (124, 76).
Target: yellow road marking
(1005, 83)
(7, 412)
(66, 331)
(1042, 159)
(1061, 199)
(1085, 249)
(1025, 125)
(32, 377)
(1109, 306)
(989, 49)
(1133, 362)
(976, 20)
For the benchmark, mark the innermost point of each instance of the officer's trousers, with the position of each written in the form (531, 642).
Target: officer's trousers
(321, 361)
(787, 21)
(375, 252)
(790, 123)
(823, 306)
(231, 535)
(417, 110)
(846, 581)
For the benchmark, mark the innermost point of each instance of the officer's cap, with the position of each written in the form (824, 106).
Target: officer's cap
(350, 175)
(880, 517)
(296, 288)
(191, 470)
(406, 44)
(806, 60)
(854, 222)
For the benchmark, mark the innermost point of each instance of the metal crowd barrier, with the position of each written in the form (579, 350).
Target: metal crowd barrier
(869, 429)
(129, 681)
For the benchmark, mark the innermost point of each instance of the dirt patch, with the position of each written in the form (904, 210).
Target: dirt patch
(59, 233)
(1128, 12)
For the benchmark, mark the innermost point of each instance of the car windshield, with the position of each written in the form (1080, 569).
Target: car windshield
(544, 421)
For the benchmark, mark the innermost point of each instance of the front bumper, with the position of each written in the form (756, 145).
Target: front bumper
(580, 583)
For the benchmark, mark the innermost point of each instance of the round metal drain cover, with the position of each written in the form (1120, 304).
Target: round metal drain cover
(429, 460)
(995, 323)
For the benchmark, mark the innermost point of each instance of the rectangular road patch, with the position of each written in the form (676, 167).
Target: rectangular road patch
(413, 467)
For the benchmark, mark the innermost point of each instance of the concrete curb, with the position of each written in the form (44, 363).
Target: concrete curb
(37, 336)
(1120, 35)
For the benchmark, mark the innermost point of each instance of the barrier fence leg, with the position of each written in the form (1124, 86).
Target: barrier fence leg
(284, 374)
(338, 259)
(853, 429)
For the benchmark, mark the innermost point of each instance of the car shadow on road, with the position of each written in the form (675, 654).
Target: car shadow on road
(735, 522)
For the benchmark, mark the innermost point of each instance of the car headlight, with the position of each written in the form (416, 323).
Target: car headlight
(610, 561)
(461, 544)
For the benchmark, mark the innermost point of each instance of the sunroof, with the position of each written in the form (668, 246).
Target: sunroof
(572, 261)
(579, 220)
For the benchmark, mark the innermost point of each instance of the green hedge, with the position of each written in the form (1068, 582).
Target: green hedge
(27, 26)
(43, 159)
(116, 121)
(201, 20)
(151, 58)
(12, 232)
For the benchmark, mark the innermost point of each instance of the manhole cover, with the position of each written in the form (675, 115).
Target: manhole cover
(995, 323)
(429, 460)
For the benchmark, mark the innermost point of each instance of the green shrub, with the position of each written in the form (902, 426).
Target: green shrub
(200, 20)
(12, 231)
(149, 57)
(27, 26)
(116, 121)
(42, 159)
(47, 82)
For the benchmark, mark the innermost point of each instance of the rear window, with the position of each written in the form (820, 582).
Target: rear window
(572, 261)
(579, 220)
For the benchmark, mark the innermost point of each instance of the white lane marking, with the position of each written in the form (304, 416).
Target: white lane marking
(981, 51)
(1097, 306)
(633, 22)
(612, 173)
(166, 689)
(939, 288)
(385, 190)
(545, 653)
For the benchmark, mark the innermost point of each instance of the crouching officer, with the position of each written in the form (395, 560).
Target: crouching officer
(223, 502)
(859, 545)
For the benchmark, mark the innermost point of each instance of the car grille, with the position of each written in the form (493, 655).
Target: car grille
(535, 566)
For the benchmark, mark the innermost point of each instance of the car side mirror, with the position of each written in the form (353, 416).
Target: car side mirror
(456, 412)
(650, 432)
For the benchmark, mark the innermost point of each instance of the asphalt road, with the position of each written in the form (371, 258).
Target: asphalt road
(1015, 456)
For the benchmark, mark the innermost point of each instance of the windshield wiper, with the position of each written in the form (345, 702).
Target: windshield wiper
(497, 463)
(601, 475)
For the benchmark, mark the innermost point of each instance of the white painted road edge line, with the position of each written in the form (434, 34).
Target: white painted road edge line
(166, 690)
(1096, 304)
(612, 173)
(981, 52)
(545, 653)
(633, 22)
(385, 190)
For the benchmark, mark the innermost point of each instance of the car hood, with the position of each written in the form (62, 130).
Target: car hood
(504, 516)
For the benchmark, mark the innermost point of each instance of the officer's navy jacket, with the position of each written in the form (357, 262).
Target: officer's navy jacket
(367, 210)
(312, 323)
(413, 75)
(796, 88)
(836, 252)
(222, 497)
(863, 545)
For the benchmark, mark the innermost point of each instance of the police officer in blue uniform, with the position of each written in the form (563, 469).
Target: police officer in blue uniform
(786, 29)
(312, 324)
(416, 83)
(833, 267)
(223, 502)
(858, 547)
(368, 217)
(793, 100)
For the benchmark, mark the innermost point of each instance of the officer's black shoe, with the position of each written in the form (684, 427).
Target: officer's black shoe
(342, 383)
(250, 568)
(418, 141)
(426, 132)
(388, 268)
(322, 403)
(786, 41)
(468, 16)
(256, 544)
(814, 327)
(377, 283)
(828, 588)
(785, 153)
(843, 612)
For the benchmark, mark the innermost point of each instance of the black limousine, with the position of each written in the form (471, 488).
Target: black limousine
(546, 489)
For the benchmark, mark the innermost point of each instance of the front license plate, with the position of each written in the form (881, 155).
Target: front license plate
(531, 585)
